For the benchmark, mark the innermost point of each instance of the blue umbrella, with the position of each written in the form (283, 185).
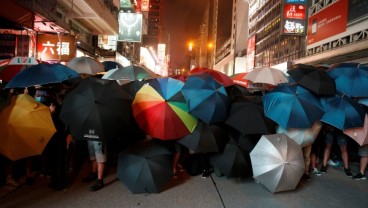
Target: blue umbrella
(111, 65)
(207, 98)
(342, 112)
(292, 106)
(42, 74)
(351, 79)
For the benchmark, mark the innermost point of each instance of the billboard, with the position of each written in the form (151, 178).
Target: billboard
(329, 22)
(56, 47)
(251, 49)
(130, 27)
(294, 27)
(357, 9)
(294, 11)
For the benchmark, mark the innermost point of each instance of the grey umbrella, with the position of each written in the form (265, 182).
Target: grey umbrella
(277, 162)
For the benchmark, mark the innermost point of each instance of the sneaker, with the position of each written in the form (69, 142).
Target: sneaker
(97, 186)
(359, 176)
(91, 177)
(347, 172)
(10, 181)
(306, 177)
(206, 173)
(316, 171)
(323, 169)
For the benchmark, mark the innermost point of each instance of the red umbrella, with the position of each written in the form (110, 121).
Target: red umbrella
(180, 77)
(16, 65)
(197, 69)
(217, 75)
(161, 110)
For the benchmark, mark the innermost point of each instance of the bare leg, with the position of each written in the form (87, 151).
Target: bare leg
(326, 154)
(363, 164)
(344, 156)
(313, 160)
(100, 170)
(175, 161)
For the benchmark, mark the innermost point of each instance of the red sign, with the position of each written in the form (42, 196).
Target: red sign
(56, 47)
(144, 5)
(329, 22)
(294, 11)
(251, 52)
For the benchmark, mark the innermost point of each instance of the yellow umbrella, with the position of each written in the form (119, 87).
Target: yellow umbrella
(26, 127)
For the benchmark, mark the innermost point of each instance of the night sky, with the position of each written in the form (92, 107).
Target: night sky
(182, 20)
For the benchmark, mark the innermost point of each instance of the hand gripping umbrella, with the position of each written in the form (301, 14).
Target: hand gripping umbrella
(161, 110)
(96, 109)
(26, 127)
(277, 162)
(207, 98)
(145, 167)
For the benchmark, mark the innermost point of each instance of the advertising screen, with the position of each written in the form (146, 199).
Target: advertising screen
(130, 27)
(294, 11)
(294, 27)
(329, 22)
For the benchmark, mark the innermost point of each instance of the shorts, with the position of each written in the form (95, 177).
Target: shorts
(96, 151)
(341, 138)
(363, 151)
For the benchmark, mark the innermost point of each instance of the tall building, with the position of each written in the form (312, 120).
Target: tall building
(155, 23)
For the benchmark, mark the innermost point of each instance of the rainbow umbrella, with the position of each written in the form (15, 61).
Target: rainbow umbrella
(161, 111)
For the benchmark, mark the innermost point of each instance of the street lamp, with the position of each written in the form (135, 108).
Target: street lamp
(190, 48)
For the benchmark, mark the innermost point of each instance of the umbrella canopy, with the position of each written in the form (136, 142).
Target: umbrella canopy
(26, 127)
(96, 109)
(180, 77)
(314, 79)
(292, 106)
(247, 116)
(133, 87)
(161, 110)
(207, 99)
(16, 65)
(233, 161)
(359, 134)
(267, 75)
(131, 73)
(205, 138)
(86, 65)
(351, 79)
(42, 74)
(277, 162)
(303, 137)
(145, 167)
(342, 112)
(111, 65)
(217, 75)
(239, 79)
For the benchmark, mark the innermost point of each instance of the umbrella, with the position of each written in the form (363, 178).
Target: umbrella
(197, 69)
(96, 109)
(359, 134)
(218, 76)
(277, 162)
(180, 77)
(111, 65)
(207, 99)
(42, 74)
(161, 110)
(303, 137)
(131, 73)
(205, 138)
(86, 65)
(292, 107)
(16, 65)
(234, 160)
(133, 87)
(145, 167)
(235, 91)
(247, 116)
(239, 79)
(26, 127)
(351, 79)
(314, 79)
(342, 112)
(267, 75)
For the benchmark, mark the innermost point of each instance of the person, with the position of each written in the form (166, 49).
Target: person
(332, 133)
(98, 159)
(363, 153)
(317, 150)
(307, 155)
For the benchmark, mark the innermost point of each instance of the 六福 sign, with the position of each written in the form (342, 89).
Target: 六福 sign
(56, 47)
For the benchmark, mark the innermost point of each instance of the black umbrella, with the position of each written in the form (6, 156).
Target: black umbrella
(205, 138)
(145, 167)
(235, 91)
(314, 79)
(133, 87)
(247, 116)
(96, 109)
(111, 65)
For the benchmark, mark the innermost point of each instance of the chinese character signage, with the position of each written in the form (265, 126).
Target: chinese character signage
(130, 27)
(144, 5)
(56, 47)
(294, 27)
(251, 48)
(294, 11)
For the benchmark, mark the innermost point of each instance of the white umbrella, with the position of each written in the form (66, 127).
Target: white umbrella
(267, 75)
(303, 137)
(86, 65)
(277, 162)
(359, 134)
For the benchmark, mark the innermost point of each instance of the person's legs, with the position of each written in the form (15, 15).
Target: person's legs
(327, 151)
(306, 154)
(342, 141)
(100, 166)
(93, 173)
(363, 153)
